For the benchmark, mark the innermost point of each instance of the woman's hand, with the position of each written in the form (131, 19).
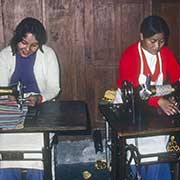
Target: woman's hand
(169, 106)
(33, 100)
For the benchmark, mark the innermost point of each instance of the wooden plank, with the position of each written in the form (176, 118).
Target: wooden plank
(15, 11)
(66, 35)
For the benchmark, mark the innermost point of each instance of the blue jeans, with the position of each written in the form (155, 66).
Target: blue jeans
(15, 174)
(154, 172)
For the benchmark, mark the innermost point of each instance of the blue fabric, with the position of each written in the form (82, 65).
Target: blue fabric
(154, 172)
(34, 174)
(24, 72)
(10, 174)
(15, 174)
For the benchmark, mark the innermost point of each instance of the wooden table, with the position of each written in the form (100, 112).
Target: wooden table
(63, 116)
(149, 122)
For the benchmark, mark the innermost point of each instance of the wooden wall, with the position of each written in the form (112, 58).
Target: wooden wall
(88, 37)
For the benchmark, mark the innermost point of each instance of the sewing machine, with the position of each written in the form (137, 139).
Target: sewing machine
(14, 90)
(135, 101)
(133, 117)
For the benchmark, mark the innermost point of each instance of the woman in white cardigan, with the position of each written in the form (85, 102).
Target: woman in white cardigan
(46, 67)
(35, 65)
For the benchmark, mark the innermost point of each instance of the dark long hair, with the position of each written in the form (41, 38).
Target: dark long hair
(152, 25)
(28, 25)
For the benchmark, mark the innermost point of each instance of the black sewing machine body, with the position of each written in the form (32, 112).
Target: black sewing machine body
(135, 105)
(124, 113)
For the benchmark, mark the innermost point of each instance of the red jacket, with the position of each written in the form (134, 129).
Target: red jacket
(129, 68)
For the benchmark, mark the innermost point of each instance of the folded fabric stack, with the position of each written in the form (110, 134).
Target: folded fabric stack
(12, 115)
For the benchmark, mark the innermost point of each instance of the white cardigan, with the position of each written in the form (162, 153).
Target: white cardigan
(46, 71)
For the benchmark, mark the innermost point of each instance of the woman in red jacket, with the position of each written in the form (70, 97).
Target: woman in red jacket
(150, 56)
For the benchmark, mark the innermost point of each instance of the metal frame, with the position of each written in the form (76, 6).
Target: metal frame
(19, 156)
